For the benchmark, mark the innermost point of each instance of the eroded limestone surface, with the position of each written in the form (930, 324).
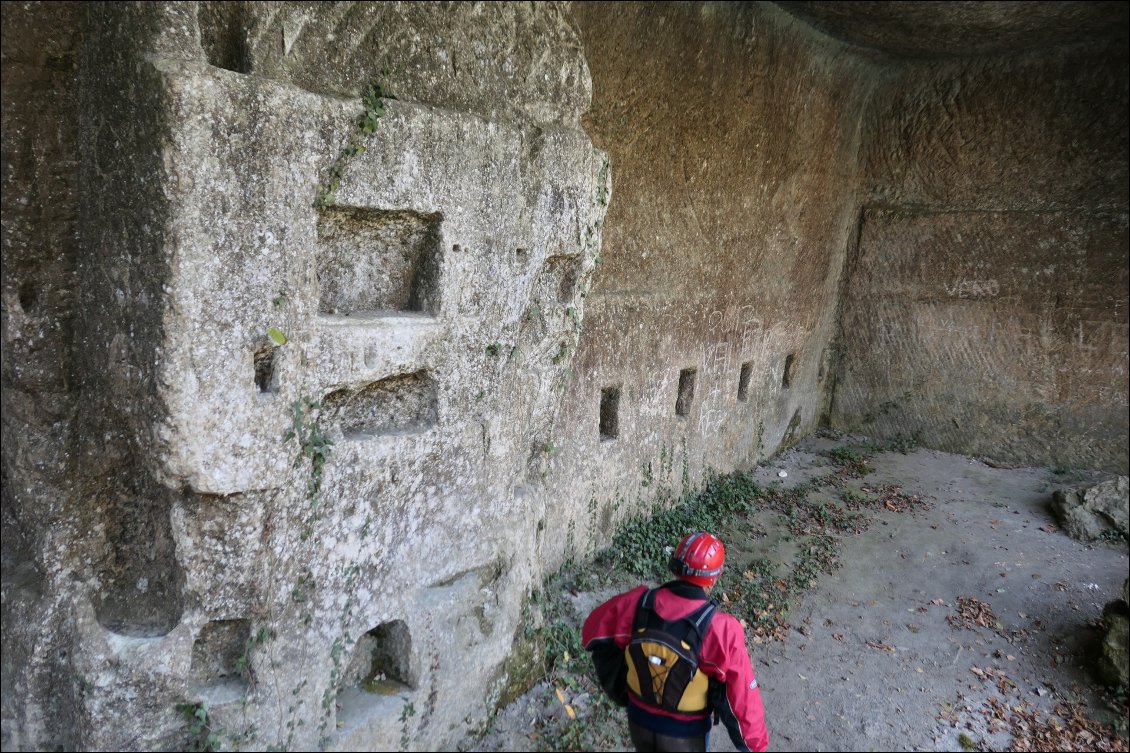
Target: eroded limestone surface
(343, 585)
(305, 386)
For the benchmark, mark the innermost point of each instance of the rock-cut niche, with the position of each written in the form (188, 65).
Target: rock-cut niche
(405, 403)
(378, 261)
(141, 581)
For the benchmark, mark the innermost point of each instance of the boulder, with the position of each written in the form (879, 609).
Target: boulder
(1087, 513)
(1114, 658)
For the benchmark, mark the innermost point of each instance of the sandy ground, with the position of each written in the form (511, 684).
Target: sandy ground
(871, 661)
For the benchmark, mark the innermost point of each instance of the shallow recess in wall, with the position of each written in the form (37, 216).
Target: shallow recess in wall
(140, 578)
(610, 413)
(219, 657)
(378, 261)
(28, 296)
(743, 381)
(380, 674)
(381, 661)
(686, 392)
(223, 35)
(787, 373)
(792, 432)
(23, 579)
(264, 362)
(406, 403)
(558, 279)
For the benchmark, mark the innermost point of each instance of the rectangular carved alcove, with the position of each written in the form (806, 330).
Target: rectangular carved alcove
(399, 404)
(686, 392)
(787, 373)
(379, 678)
(743, 381)
(382, 659)
(220, 652)
(610, 413)
(373, 260)
(141, 581)
(264, 361)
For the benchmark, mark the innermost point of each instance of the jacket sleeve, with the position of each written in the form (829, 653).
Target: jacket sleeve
(735, 695)
(611, 669)
(604, 634)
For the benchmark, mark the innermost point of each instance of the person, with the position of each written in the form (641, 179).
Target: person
(630, 635)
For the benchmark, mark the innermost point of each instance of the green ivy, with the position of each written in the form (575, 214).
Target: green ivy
(372, 102)
(200, 726)
(313, 444)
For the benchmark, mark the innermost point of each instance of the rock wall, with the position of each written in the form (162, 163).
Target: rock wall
(734, 136)
(986, 310)
(305, 386)
(309, 336)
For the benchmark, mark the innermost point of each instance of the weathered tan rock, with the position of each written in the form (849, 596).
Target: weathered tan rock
(984, 309)
(961, 29)
(1090, 512)
(1114, 661)
(722, 250)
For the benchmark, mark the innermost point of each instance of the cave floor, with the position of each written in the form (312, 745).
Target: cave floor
(964, 620)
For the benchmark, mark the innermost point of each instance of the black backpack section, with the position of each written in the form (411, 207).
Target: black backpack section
(664, 653)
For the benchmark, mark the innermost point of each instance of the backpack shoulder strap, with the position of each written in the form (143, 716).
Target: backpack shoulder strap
(644, 610)
(700, 621)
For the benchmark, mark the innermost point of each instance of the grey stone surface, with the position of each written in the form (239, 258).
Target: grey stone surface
(1114, 656)
(1086, 513)
(1115, 663)
(1114, 660)
(498, 60)
(179, 293)
(189, 553)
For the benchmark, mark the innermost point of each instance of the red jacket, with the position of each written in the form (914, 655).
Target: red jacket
(723, 657)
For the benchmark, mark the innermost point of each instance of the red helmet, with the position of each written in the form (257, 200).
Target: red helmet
(698, 559)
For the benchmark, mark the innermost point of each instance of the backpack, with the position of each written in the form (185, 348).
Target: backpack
(662, 657)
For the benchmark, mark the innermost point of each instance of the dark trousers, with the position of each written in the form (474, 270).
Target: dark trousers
(646, 740)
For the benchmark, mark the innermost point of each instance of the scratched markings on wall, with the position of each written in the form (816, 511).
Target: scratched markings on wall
(1003, 324)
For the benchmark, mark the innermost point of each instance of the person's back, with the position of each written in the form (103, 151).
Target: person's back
(721, 679)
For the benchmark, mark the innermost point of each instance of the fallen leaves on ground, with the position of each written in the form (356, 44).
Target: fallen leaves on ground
(1068, 729)
(881, 646)
(973, 613)
(893, 498)
(1003, 682)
